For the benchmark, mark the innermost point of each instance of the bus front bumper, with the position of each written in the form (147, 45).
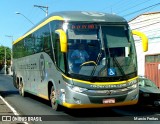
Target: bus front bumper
(76, 106)
(72, 99)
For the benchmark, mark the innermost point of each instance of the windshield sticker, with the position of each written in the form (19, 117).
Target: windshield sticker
(111, 72)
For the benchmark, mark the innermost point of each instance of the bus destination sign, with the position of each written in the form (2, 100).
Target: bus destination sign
(83, 26)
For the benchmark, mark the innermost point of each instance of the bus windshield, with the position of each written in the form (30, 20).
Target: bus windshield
(100, 50)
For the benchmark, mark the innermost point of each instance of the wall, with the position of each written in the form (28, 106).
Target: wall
(148, 24)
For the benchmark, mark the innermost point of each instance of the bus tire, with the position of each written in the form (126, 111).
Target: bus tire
(21, 89)
(53, 100)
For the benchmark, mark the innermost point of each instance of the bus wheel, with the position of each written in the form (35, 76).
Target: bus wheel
(15, 80)
(21, 89)
(53, 101)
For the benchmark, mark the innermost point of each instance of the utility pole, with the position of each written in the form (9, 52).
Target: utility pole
(5, 64)
(42, 8)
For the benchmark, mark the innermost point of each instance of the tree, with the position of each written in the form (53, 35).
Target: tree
(2, 56)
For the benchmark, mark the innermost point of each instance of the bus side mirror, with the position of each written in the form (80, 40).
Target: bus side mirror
(63, 40)
(144, 39)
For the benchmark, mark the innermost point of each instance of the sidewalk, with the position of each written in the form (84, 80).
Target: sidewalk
(4, 109)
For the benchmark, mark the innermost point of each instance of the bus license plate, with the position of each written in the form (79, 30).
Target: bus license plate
(108, 101)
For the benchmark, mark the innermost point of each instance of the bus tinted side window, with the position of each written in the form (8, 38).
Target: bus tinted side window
(29, 45)
(42, 40)
(18, 50)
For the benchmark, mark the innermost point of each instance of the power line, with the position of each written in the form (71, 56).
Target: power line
(133, 6)
(119, 2)
(122, 3)
(157, 4)
(112, 5)
(150, 9)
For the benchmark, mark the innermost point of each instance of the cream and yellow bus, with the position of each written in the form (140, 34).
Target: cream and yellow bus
(46, 61)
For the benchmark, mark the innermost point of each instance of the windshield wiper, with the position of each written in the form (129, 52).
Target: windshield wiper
(97, 61)
(119, 67)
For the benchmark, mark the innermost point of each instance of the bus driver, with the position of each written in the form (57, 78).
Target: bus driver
(79, 56)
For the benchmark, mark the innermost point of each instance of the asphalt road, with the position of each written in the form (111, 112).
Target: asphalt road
(32, 105)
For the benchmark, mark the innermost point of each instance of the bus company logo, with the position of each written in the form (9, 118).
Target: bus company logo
(96, 14)
(42, 67)
(109, 86)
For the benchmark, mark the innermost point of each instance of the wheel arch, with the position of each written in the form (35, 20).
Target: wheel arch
(50, 84)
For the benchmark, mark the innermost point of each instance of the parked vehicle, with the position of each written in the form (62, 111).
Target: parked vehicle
(149, 93)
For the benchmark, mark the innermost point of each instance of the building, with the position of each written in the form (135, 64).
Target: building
(148, 62)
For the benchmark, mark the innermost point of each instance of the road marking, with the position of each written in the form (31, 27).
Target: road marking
(12, 109)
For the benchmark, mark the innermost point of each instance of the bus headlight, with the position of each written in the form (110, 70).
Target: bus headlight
(76, 88)
(134, 86)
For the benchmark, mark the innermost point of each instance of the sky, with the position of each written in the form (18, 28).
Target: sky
(16, 25)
